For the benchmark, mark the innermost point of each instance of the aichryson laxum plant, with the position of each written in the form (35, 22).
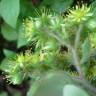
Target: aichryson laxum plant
(61, 43)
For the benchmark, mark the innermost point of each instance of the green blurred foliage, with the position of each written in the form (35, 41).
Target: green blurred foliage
(48, 31)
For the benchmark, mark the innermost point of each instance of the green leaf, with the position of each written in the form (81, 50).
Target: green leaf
(86, 48)
(61, 6)
(9, 53)
(58, 5)
(3, 94)
(22, 40)
(72, 90)
(14, 73)
(91, 24)
(8, 32)
(26, 6)
(16, 78)
(6, 65)
(9, 11)
(93, 7)
(51, 84)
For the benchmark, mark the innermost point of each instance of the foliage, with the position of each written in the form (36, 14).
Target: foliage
(63, 46)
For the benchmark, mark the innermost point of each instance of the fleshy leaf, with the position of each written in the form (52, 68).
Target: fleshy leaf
(72, 90)
(51, 84)
(9, 11)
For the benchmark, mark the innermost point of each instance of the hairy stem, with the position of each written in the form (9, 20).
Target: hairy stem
(73, 51)
(77, 63)
(78, 34)
(86, 85)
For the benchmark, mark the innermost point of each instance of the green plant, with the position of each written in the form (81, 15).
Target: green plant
(50, 66)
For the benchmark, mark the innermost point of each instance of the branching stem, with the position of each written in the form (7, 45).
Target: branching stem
(73, 50)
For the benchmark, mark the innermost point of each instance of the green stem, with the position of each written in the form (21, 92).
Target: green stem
(78, 34)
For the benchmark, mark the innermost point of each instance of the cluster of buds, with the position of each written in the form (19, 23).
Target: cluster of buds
(80, 13)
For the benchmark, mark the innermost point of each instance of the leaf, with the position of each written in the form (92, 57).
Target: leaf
(14, 73)
(51, 84)
(91, 24)
(9, 11)
(9, 53)
(8, 32)
(93, 7)
(22, 40)
(3, 94)
(4, 66)
(72, 90)
(61, 6)
(16, 78)
(86, 48)
(58, 5)
(26, 6)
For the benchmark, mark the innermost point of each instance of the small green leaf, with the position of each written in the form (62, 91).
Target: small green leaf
(22, 40)
(16, 78)
(58, 5)
(93, 8)
(26, 6)
(3, 94)
(51, 84)
(91, 24)
(9, 53)
(86, 48)
(72, 90)
(61, 6)
(4, 66)
(14, 74)
(9, 11)
(8, 32)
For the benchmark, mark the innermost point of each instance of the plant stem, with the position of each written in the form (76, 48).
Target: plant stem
(73, 51)
(86, 85)
(78, 34)
(76, 63)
